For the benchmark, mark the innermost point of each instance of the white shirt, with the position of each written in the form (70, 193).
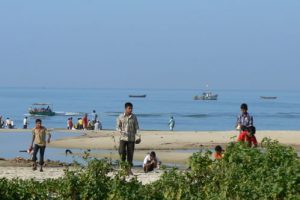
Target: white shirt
(25, 121)
(96, 126)
(8, 121)
(147, 158)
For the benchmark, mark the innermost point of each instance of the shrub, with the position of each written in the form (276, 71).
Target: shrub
(244, 173)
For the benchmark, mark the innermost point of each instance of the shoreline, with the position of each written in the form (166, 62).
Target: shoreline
(160, 140)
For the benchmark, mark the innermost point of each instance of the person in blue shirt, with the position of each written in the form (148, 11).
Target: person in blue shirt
(171, 123)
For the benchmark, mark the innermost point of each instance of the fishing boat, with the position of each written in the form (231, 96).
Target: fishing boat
(268, 97)
(206, 96)
(137, 96)
(45, 109)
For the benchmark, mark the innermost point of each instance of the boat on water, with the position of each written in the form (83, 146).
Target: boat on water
(45, 109)
(206, 96)
(137, 96)
(268, 97)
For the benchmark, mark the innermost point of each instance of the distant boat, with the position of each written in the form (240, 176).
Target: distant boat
(137, 96)
(206, 96)
(268, 97)
(41, 109)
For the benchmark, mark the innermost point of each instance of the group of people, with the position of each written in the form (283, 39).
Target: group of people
(85, 123)
(127, 125)
(8, 123)
(48, 109)
(246, 130)
(245, 126)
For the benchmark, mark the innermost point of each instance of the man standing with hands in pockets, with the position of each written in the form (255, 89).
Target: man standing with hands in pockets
(127, 125)
(39, 140)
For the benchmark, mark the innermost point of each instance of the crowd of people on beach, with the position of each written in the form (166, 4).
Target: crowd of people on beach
(85, 123)
(127, 125)
(8, 123)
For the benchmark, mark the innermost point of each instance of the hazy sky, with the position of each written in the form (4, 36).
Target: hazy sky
(150, 44)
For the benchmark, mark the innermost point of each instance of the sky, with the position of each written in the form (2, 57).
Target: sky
(227, 44)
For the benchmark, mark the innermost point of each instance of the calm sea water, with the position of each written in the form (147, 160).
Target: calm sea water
(154, 111)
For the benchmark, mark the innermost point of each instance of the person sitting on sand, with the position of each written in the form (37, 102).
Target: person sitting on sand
(151, 162)
(97, 125)
(8, 123)
(218, 154)
(244, 119)
(79, 124)
(248, 135)
(90, 125)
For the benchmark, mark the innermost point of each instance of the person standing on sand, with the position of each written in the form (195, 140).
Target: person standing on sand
(171, 123)
(244, 119)
(70, 123)
(85, 121)
(127, 125)
(39, 141)
(25, 123)
(1, 122)
(95, 116)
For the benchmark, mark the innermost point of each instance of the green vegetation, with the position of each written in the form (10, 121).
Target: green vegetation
(243, 173)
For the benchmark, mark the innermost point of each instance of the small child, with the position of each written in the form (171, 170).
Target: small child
(218, 152)
(248, 135)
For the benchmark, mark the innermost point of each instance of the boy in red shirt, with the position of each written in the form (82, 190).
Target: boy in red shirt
(248, 135)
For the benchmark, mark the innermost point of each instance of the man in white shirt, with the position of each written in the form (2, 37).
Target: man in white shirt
(151, 161)
(25, 123)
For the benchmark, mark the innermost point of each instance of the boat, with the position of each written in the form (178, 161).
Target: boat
(268, 97)
(45, 109)
(137, 96)
(206, 96)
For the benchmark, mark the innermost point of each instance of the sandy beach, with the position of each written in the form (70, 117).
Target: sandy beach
(22, 169)
(166, 140)
(168, 144)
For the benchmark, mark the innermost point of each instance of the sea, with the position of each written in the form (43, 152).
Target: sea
(155, 110)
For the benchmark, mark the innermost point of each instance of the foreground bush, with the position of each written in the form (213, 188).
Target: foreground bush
(243, 173)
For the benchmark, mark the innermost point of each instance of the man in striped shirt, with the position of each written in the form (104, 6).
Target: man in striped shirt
(127, 125)
(244, 119)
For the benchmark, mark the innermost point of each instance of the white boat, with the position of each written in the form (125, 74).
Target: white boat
(206, 96)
